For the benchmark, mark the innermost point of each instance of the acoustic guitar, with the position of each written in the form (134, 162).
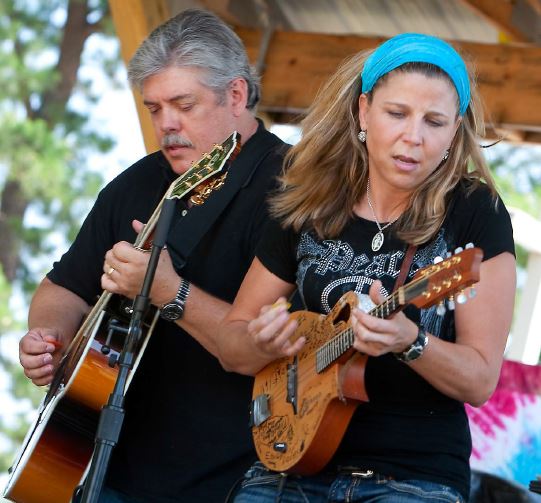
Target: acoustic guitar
(57, 450)
(302, 405)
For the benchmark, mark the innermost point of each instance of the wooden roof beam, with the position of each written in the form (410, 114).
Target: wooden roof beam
(297, 64)
(133, 21)
(518, 19)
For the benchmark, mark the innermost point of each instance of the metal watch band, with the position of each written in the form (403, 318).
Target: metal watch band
(183, 291)
(174, 309)
(416, 349)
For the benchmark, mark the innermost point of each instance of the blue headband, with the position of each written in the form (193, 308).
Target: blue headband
(417, 48)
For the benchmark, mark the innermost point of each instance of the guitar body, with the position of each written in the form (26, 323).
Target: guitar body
(301, 438)
(59, 445)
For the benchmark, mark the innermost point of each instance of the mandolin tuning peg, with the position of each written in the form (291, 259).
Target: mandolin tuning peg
(472, 293)
(440, 310)
(469, 245)
(448, 255)
(451, 303)
(459, 249)
(461, 298)
(438, 259)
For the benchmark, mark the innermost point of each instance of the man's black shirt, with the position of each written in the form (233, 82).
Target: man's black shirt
(185, 436)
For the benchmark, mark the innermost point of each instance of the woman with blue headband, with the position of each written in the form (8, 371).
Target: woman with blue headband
(388, 177)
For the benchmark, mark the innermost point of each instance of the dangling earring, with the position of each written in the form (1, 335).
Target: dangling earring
(446, 155)
(362, 136)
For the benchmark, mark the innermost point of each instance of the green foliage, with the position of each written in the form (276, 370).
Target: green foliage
(27, 33)
(45, 141)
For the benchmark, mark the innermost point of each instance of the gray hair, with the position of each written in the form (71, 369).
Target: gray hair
(196, 38)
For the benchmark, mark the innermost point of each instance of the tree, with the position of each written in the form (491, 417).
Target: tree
(43, 145)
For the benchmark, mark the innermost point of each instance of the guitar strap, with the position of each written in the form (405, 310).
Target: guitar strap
(188, 230)
(404, 269)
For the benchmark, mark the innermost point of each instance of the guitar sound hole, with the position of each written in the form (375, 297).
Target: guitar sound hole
(342, 315)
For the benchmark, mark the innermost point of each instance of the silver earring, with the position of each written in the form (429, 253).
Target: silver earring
(362, 136)
(446, 155)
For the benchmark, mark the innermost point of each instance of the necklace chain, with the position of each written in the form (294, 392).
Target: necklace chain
(374, 213)
(378, 239)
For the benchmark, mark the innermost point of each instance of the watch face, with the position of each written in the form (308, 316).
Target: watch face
(171, 312)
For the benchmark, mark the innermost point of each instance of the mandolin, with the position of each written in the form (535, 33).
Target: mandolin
(302, 405)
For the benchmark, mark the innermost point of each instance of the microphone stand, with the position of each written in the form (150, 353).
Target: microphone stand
(112, 414)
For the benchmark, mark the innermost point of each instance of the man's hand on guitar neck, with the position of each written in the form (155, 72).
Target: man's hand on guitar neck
(124, 270)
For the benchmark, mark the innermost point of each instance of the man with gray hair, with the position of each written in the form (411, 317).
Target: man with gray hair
(185, 436)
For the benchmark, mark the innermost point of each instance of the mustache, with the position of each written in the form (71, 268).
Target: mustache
(175, 139)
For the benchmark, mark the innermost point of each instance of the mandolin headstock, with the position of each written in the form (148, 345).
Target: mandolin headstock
(446, 279)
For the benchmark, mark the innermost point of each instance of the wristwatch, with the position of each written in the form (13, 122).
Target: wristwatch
(416, 349)
(174, 309)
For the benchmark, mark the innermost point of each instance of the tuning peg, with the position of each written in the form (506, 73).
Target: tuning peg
(459, 249)
(438, 259)
(448, 255)
(469, 245)
(472, 293)
(461, 298)
(440, 310)
(451, 303)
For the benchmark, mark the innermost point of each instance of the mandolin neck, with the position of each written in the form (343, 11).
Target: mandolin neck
(341, 343)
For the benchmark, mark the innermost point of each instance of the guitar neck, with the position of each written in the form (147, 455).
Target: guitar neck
(178, 189)
(209, 165)
(430, 286)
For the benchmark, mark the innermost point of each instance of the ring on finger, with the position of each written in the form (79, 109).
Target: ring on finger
(111, 271)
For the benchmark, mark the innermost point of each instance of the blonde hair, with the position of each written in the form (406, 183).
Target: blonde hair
(326, 173)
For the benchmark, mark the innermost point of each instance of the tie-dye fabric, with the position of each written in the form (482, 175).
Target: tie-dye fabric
(506, 431)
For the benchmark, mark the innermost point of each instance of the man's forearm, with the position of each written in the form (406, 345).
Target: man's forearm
(57, 308)
(202, 317)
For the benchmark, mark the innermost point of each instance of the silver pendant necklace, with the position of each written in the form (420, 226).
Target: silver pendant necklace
(377, 240)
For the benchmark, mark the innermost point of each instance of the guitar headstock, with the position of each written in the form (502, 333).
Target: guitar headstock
(435, 283)
(206, 168)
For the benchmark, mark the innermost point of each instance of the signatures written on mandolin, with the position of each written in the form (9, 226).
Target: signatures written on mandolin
(313, 332)
(277, 427)
(278, 374)
(309, 404)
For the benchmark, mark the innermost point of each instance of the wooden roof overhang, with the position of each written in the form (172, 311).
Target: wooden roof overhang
(294, 64)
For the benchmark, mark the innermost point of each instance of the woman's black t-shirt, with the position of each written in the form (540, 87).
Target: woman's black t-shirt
(408, 429)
